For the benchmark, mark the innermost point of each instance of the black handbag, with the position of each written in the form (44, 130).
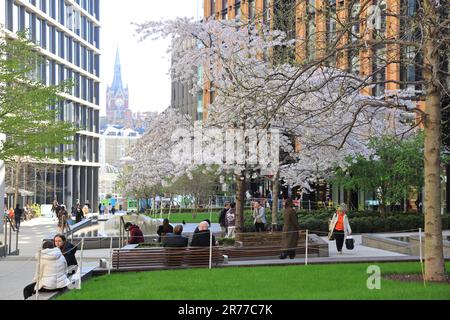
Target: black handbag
(350, 243)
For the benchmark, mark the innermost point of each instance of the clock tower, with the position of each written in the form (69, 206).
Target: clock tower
(117, 99)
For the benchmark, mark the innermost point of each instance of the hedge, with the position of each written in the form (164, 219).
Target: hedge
(360, 221)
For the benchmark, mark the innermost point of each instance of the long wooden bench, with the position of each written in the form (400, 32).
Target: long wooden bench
(164, 258)
(264, 245)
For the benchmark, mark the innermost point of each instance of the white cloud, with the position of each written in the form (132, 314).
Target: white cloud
(144, 65)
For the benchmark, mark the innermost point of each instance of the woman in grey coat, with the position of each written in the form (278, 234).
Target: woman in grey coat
(290, 230)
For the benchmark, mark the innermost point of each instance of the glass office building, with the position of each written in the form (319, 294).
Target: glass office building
(67, 33)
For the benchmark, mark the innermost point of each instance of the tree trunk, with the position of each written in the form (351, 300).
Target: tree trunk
(434, 254)
(275, 192)
(240, 200)
(382, 209)
(349, 199)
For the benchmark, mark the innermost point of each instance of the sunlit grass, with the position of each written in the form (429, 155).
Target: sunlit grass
(331, 281)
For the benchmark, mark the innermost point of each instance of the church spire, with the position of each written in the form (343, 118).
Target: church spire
(117, 82)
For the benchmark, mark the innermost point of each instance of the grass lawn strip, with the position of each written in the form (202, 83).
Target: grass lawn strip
(330, 281)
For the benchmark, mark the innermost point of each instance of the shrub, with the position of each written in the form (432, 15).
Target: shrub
(226, 242)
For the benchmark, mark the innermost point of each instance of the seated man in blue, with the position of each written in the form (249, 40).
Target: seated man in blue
(176, 239)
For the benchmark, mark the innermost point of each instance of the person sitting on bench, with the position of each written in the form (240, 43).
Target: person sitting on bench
(51, 272)
(164, 229)
(136, 235)
(68, 250)
(176, 239)
(201, 239)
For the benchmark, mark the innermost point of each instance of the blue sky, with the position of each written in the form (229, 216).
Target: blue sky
(144, 65)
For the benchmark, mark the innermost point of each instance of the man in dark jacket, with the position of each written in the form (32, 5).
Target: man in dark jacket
(176, 239)
(290, 230)
(136, 235)
(197, 230)
(18, 216)
(201, 239)
(222, 217)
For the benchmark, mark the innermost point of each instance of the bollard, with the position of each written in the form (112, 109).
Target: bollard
(110, 256)
(306, 248)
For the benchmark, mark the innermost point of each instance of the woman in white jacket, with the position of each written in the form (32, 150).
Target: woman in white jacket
(51, 272)
(340, 227)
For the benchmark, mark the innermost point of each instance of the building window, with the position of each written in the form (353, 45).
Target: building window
(251, 9)
(237, 10)
(331, 23)
(266, 11)
(311, 29)
(212, 4)
(353, 55)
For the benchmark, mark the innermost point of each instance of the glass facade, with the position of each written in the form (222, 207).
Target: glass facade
(68, 32)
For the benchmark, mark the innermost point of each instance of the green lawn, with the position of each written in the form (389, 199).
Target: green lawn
(332, 281)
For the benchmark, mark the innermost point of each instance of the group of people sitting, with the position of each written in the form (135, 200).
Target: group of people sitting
(52, 268)
(170, 236)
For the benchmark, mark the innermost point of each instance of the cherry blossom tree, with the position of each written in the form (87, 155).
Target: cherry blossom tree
(324, 110)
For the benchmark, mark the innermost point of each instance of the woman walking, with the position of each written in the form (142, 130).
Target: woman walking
(290, 230)
(340, 226)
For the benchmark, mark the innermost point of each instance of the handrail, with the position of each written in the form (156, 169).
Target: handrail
(12, 229)
(122, 230)
(12, 226)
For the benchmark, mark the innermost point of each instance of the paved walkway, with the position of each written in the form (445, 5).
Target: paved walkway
(17, 272)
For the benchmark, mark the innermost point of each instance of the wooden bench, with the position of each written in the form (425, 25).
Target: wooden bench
(164, 258)
(263, 245)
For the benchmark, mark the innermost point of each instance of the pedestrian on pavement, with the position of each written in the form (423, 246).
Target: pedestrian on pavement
(63, 218)
(85, 211)
(340, 226)
(79, 215)
(51, 272)
(290, 230)
(113, 210)
(55, 209)
(259, 216)
(17, 216)
(231, 221)
(100, 208)
(222, 217)
(11, 214)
